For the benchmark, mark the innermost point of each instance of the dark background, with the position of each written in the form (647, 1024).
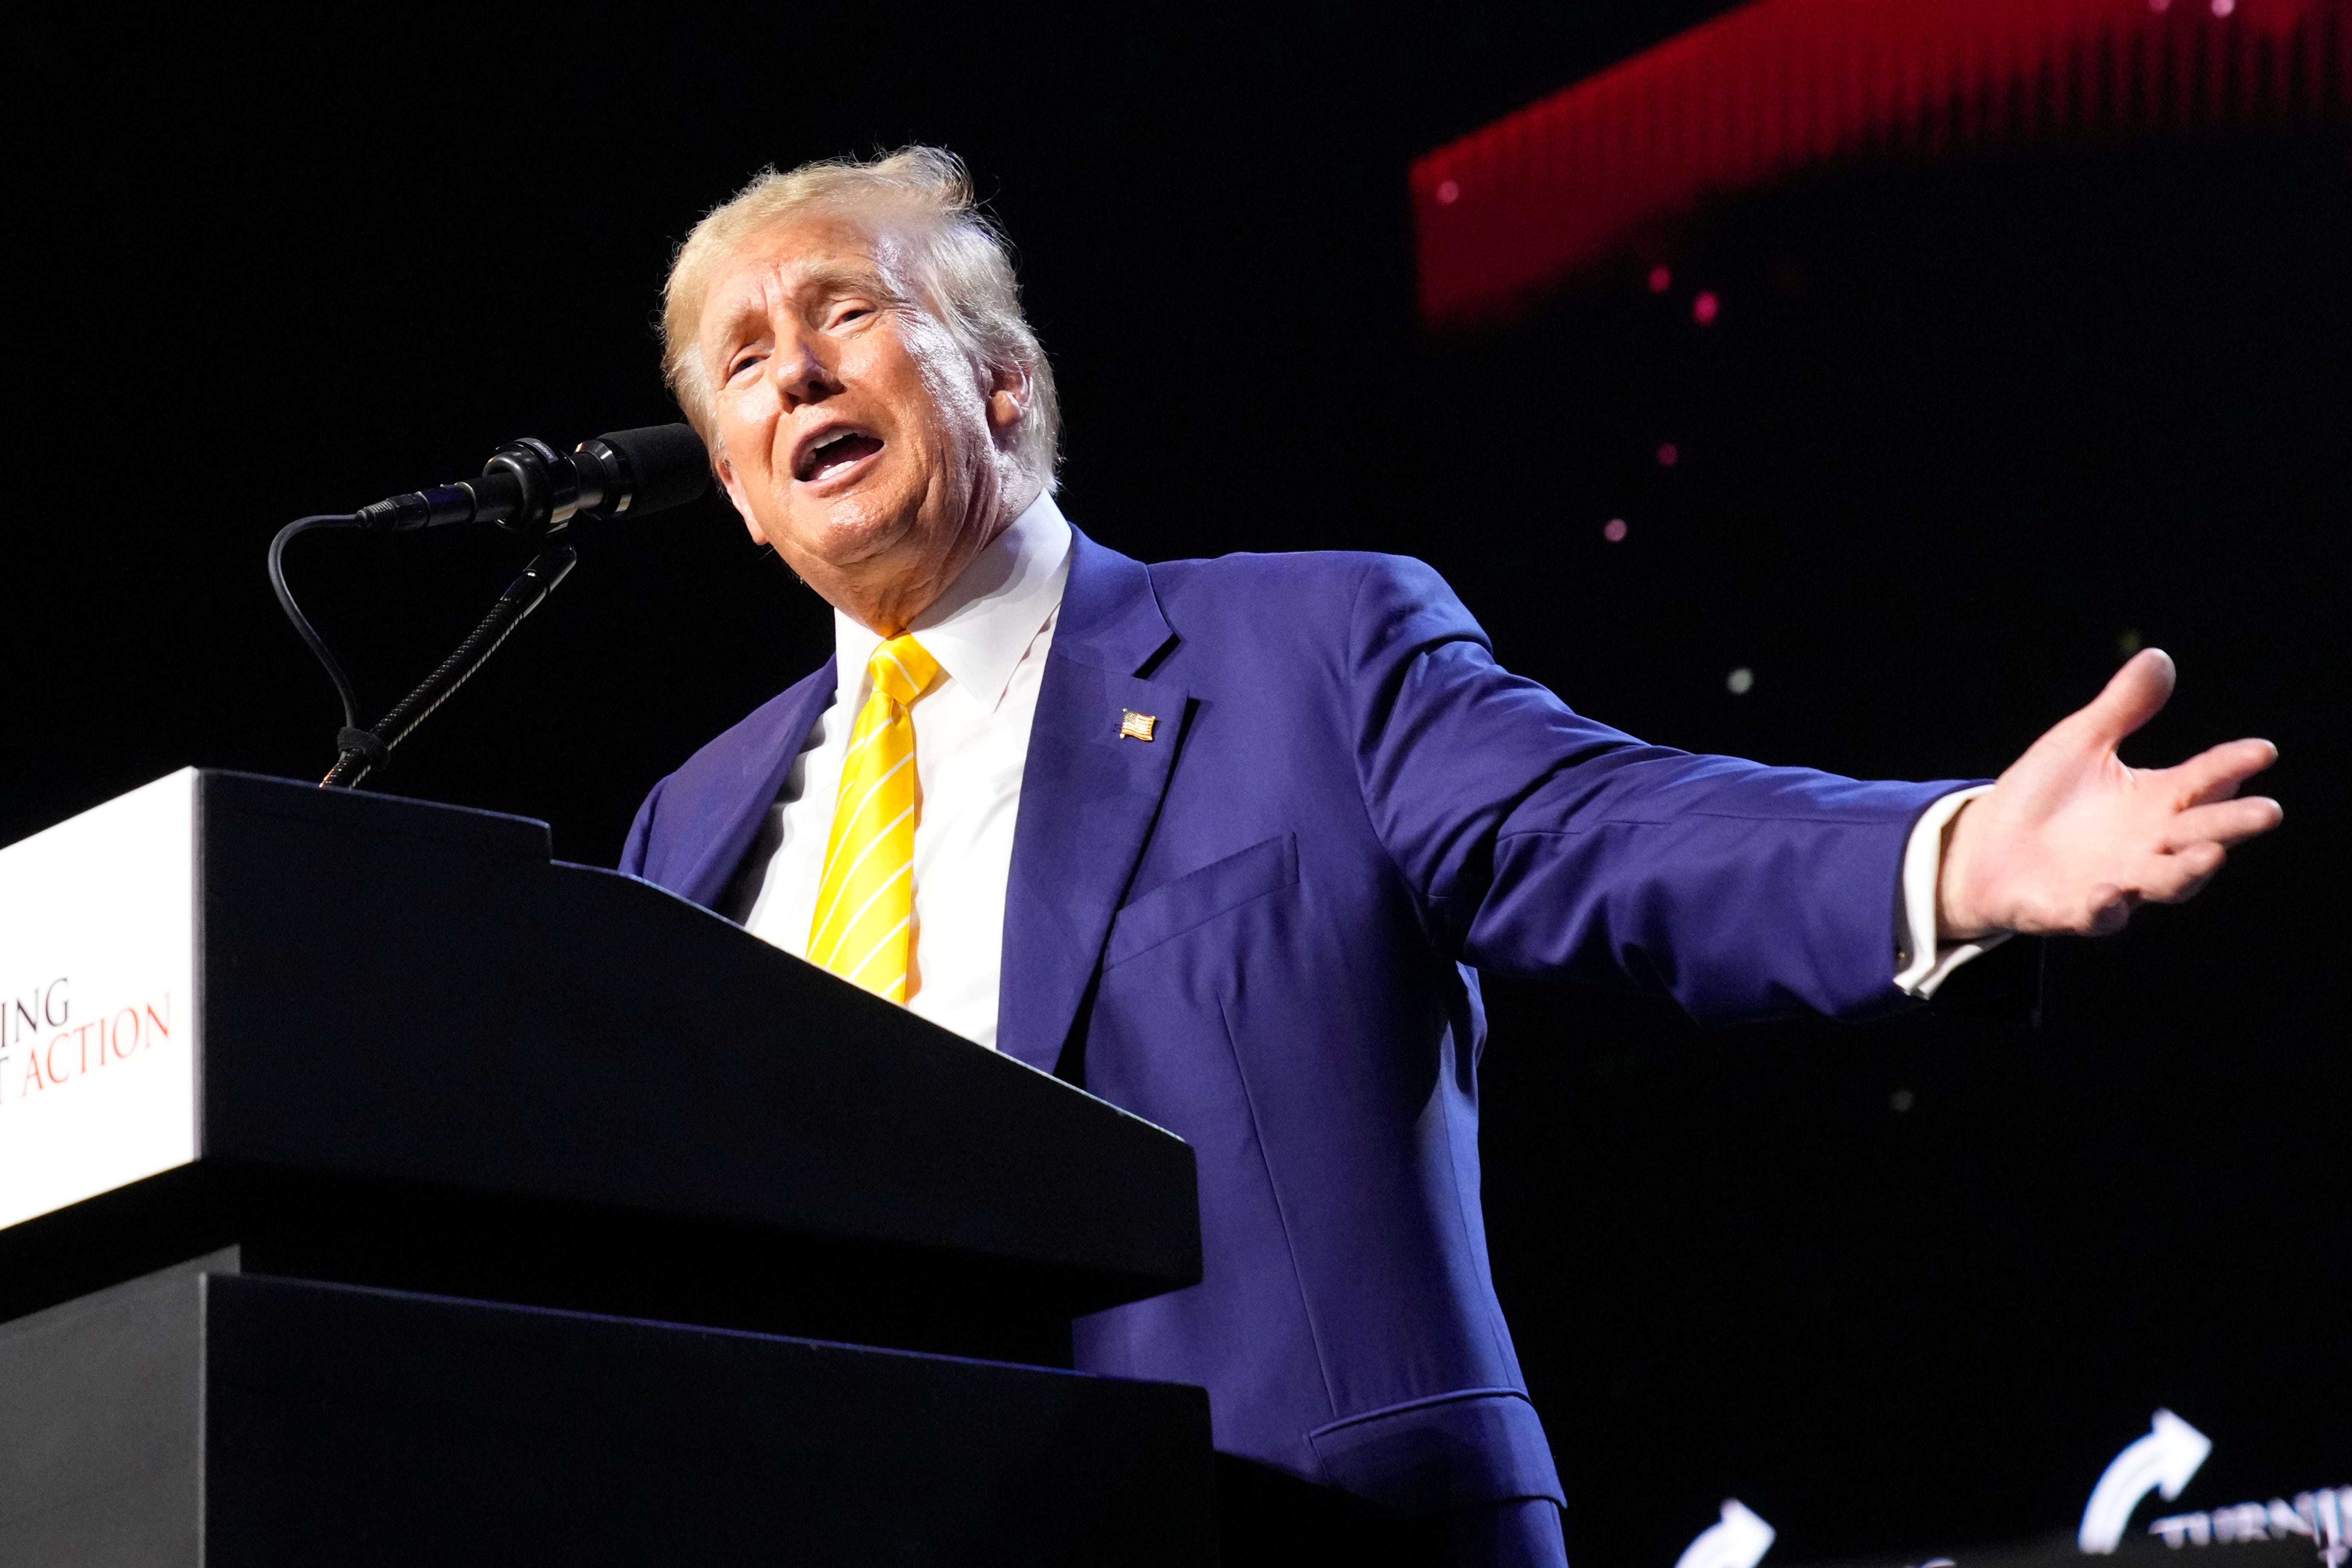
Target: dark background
(1962, 433)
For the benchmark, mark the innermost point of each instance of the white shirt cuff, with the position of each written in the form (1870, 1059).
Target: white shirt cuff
(1927, 962)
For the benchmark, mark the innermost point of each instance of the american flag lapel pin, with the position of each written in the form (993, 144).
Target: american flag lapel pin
(1134, 726)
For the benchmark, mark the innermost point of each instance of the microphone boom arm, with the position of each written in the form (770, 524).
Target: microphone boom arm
(364, 749)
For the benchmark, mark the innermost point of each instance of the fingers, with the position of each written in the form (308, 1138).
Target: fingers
(2133, 694)
(2171, 878)
(2182, 876)
(2107, 908)
(2110, 908)
(2224, 822)
(2216, 773)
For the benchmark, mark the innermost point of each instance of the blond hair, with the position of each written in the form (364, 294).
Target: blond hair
(960, 265)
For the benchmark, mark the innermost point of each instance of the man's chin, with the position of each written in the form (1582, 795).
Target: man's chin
(843, 533)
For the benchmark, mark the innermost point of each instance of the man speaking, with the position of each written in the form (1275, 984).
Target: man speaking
(1228, 841)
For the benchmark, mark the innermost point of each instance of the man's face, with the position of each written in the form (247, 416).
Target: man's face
(853, 435)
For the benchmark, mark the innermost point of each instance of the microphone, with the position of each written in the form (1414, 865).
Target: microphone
(528, 488)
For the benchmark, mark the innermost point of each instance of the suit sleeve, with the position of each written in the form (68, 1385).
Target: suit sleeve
(1540, 843)
(639, 845)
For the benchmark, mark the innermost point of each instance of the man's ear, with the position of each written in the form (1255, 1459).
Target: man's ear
(1008, 400)
(724, 468)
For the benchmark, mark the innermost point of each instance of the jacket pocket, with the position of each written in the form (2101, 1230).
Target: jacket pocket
(1199, 897)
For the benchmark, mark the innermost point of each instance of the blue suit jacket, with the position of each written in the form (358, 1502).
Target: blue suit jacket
(1260, 930)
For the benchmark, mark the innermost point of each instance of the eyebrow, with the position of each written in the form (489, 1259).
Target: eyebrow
(826, 278)
(843, 278)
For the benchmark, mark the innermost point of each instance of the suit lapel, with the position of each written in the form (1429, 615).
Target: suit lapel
(1088, 796)
(741, 798)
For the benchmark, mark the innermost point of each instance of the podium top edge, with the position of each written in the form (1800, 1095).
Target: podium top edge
(249, 793)
(472, 827)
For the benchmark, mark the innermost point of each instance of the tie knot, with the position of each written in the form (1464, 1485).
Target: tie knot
(901, 670)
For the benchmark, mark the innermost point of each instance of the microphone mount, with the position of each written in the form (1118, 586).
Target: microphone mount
(528, 488)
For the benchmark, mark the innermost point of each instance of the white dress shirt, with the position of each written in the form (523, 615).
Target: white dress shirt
(1929, 961)
(990, 632)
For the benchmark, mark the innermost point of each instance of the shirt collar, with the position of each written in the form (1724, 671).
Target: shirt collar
(981, 626)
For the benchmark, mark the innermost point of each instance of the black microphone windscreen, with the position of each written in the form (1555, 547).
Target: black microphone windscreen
(667, 462)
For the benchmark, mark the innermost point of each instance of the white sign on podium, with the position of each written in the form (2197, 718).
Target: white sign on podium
(98, 1007)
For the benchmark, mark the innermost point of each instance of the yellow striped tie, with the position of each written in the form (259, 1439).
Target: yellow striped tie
(864, 928)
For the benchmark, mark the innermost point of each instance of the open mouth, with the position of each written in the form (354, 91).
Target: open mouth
(835, 453)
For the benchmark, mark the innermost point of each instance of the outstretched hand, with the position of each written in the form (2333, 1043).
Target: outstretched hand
(2070, 840)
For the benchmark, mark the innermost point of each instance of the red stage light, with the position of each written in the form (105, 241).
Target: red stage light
(1448, 192)
(1668, 456)
(1614, 530)
(1661, 279)
(1771, 89)
(1704, 308)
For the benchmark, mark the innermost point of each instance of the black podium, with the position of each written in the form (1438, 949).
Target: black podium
(489, 1209)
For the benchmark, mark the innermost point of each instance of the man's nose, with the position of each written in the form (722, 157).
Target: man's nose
(803, 375)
